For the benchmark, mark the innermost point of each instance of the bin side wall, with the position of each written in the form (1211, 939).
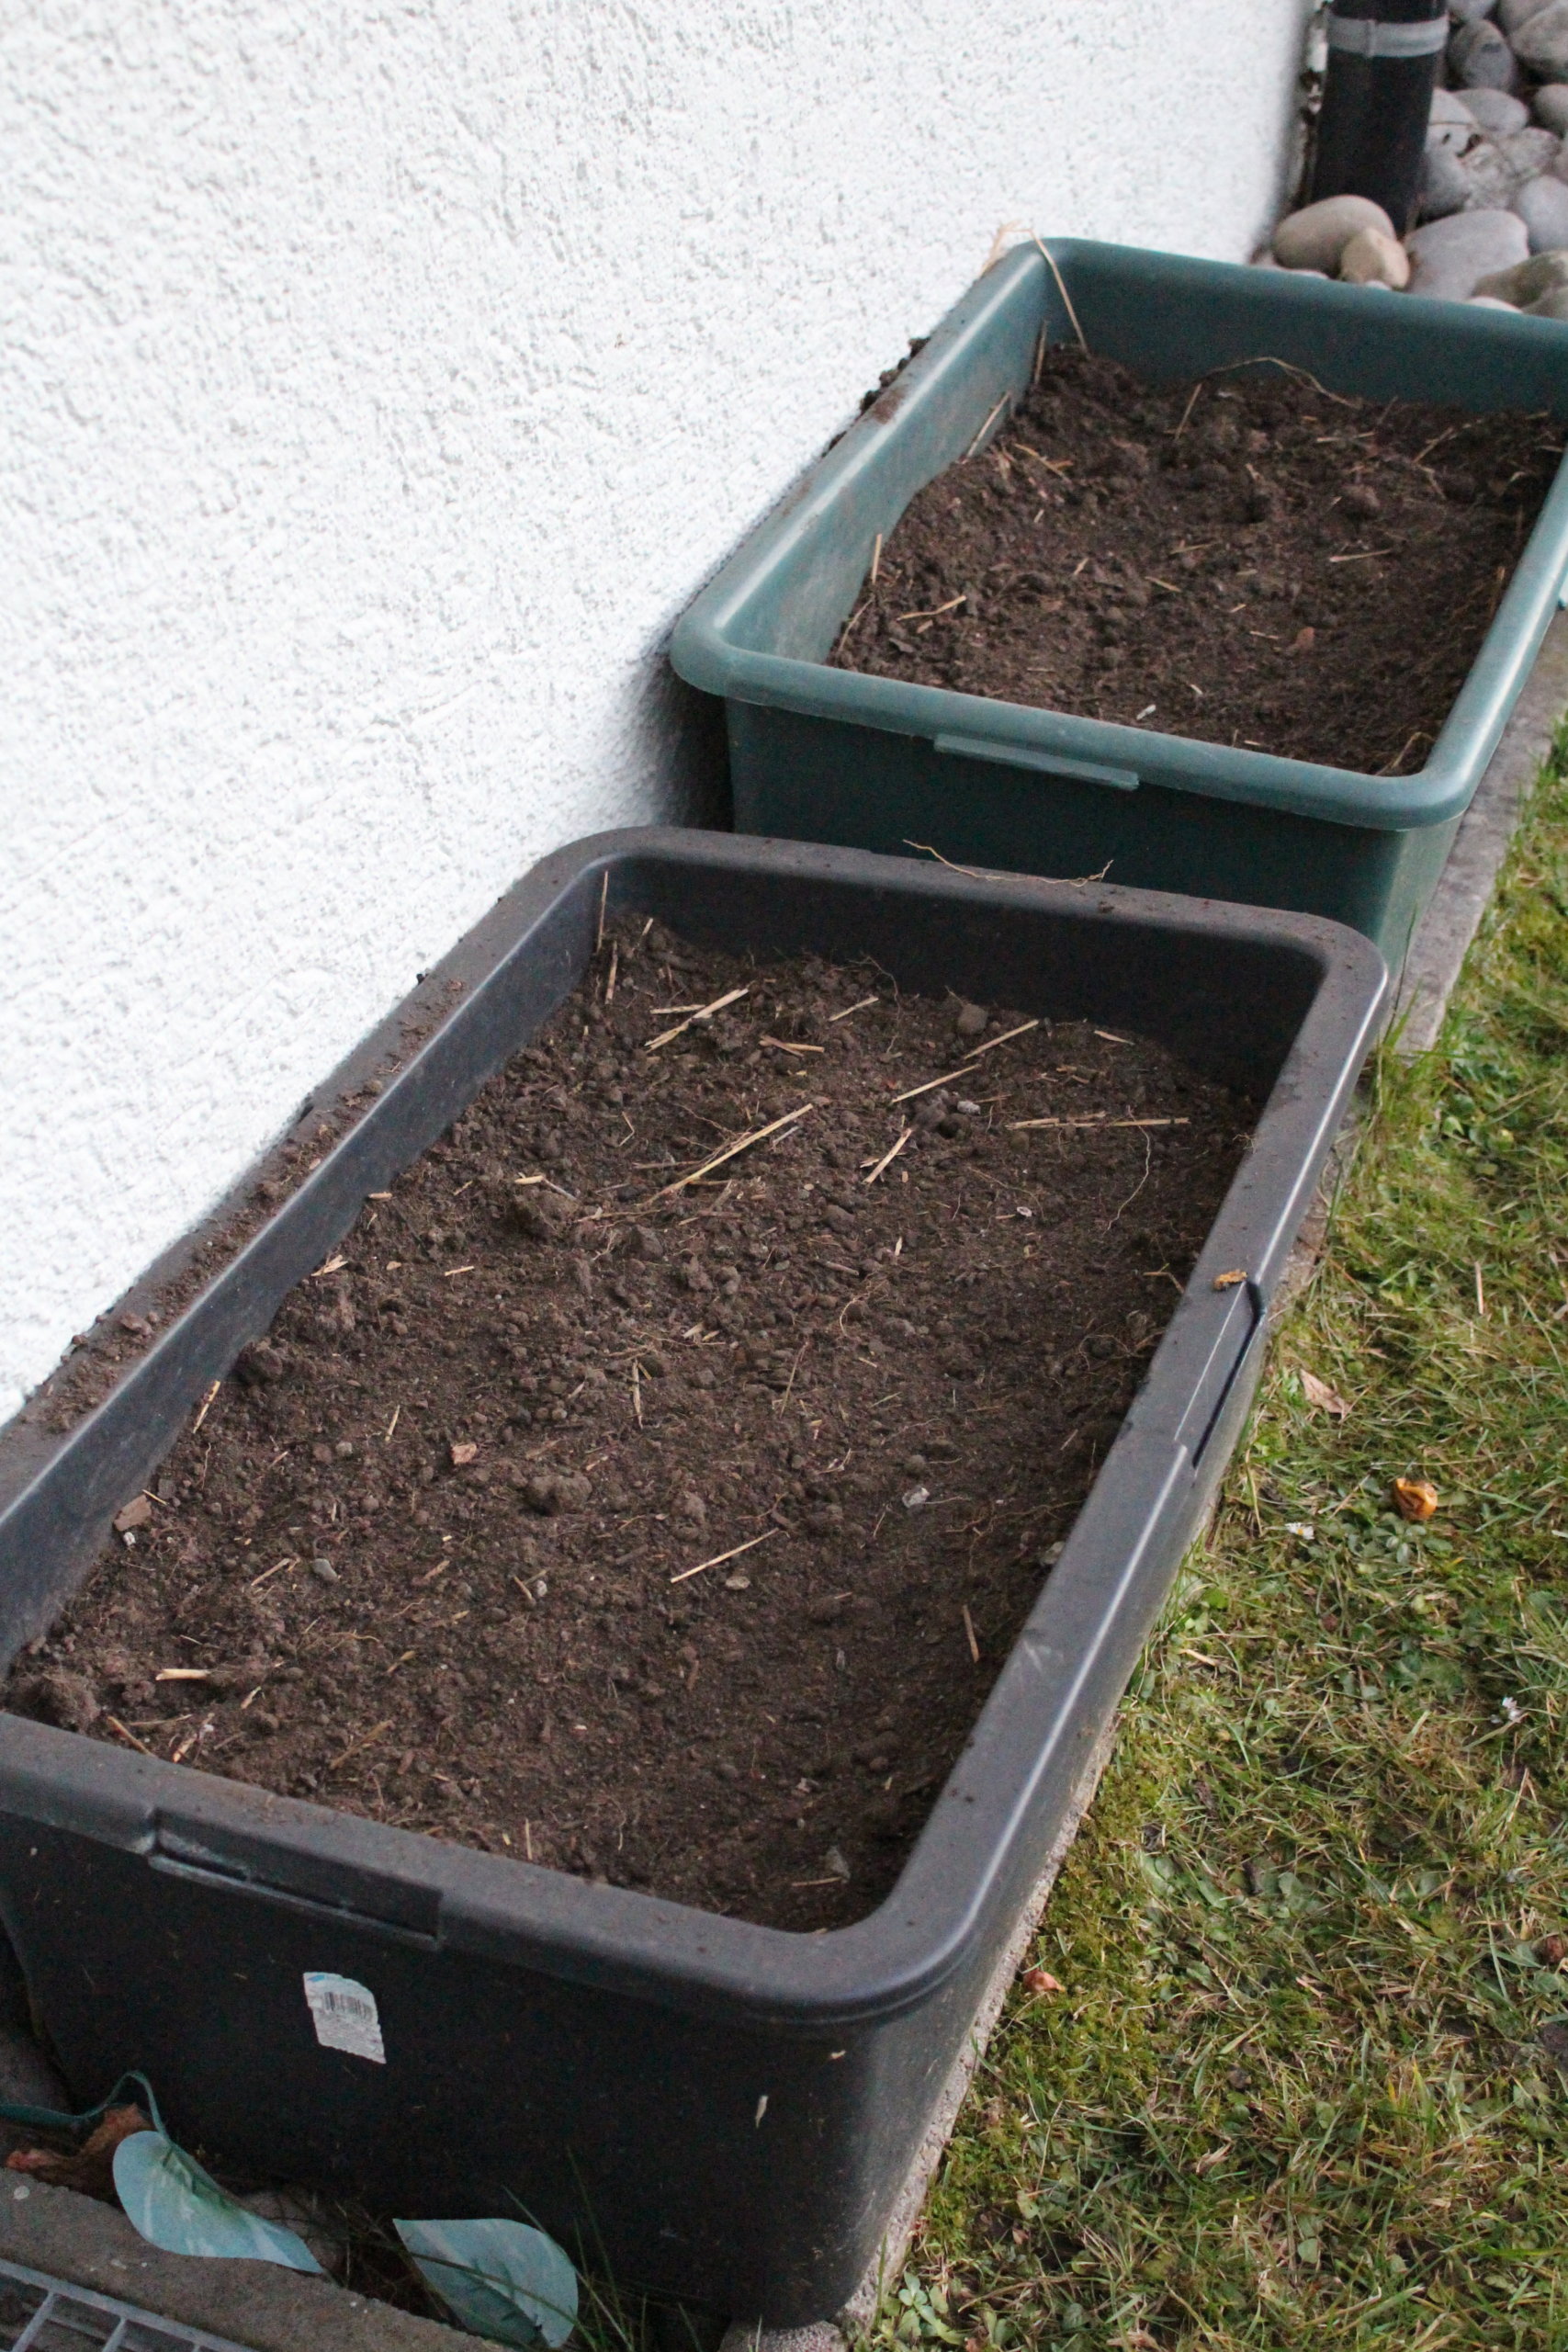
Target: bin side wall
(630, 2132)
(861, 787)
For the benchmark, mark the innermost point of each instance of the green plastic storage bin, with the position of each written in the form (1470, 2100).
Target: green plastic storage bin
(823, 754)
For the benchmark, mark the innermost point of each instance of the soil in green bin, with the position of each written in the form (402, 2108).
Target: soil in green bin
(661, 1527)
(1247, 560)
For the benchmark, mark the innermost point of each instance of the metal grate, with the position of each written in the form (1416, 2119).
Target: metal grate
(42, 2315)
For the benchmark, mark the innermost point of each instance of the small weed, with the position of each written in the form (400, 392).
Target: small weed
(1306, 2085)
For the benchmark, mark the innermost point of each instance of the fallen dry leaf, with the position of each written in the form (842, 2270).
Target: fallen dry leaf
(1228, 1281)
(136, 1513)
(462, 1456)
(90, 2168)
(1040, 1980)
(1327, 1400)
(1415, 1498)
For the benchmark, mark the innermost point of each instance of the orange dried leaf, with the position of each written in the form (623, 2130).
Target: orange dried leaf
(1040, 1980)
(88, 2168)
(462, 1456)
(1414, 1498)
(1229, 1282)
(120, 2123)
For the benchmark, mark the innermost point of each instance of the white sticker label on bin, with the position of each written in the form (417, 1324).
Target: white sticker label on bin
(344, 2015)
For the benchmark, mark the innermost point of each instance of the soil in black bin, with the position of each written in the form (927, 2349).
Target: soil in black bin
(1247, 559)
(670, 1529)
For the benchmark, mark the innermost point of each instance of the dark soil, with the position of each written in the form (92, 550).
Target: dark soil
(423, 1557)
(1246, 560)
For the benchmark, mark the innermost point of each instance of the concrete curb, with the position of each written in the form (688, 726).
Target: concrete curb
(87, 2244)
(1464, 886)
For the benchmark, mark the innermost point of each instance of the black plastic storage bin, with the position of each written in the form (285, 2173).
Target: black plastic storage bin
(724, 2113)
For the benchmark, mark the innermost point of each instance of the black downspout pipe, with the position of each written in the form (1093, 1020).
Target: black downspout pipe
(1376, 99)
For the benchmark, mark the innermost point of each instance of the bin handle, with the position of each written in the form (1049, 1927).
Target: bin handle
(361, 1899)
(1022, 755)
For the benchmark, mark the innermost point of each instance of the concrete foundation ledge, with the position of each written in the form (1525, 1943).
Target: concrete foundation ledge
(252, 2304)
(823, 2337)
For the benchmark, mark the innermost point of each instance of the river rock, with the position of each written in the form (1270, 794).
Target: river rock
(1526, 153)
(1452, 256)
(1451, 106)
(1486, 303)
(1550, 105)
(1480, 59)
(1551, 306)
(1372, 259)
(1495, 111)
(1541, 42)
(1512, 13)
(1475, 173)
(1542, 206)
(1442, 184)
(1527, 280)
(1316, 236)
(1470, 12)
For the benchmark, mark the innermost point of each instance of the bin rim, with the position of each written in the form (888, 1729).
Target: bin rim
(922, 1931)
(704, 650)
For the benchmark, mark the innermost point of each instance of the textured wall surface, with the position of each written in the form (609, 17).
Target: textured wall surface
(378, 383)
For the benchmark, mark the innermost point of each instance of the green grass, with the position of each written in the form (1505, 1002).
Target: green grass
(1293, 2092)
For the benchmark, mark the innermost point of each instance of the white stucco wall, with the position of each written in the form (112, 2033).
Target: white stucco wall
(377, 384)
